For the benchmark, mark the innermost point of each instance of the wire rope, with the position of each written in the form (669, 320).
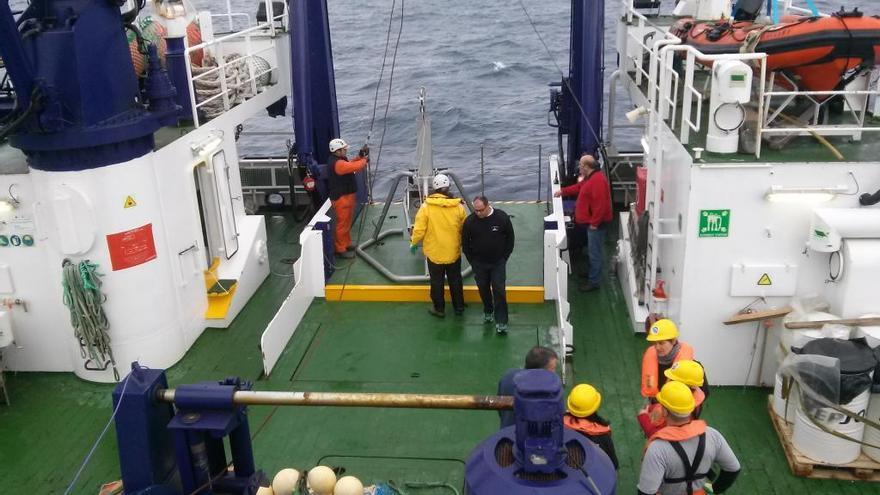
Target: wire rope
(564, 80)
(91, 452)
(375, 169)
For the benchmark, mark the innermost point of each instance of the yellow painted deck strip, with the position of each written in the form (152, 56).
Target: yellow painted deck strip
(421, 293)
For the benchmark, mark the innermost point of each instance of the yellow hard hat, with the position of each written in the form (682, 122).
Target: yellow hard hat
(686, 371)
(664, 329)
(677, 397)
(584, 400)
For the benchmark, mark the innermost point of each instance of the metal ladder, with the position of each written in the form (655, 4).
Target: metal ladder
(654, 161)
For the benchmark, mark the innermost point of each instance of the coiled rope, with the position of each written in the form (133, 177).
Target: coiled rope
(238, 79)
(83, 297)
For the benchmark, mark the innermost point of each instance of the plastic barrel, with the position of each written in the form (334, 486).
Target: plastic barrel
(779, 401)
(814, 443)
(872, 436)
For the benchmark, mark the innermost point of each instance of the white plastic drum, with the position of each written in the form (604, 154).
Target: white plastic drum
(814, 443)
(871, 334)
(872, 436)
(779, 402)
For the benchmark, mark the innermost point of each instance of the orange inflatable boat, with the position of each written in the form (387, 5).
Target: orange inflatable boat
(819, 52)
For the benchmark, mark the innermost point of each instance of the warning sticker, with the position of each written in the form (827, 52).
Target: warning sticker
(765, 280)
(130, 202)
(132, 247)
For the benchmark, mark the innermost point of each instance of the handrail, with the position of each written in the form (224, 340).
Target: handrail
(216, 46)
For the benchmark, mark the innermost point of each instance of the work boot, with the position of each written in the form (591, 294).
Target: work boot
(346, 255)
(436, 312)
(459, 311)
(488, 318)
(501, 328)
(587, 287)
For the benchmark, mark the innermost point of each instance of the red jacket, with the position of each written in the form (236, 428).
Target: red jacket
(593, 206)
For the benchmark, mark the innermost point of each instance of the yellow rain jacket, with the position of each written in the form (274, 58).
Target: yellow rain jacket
(438, 226)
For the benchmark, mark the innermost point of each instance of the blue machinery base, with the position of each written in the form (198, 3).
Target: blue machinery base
(167, 449)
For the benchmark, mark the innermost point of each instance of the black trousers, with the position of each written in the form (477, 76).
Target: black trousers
(452, 272)
(491, 279)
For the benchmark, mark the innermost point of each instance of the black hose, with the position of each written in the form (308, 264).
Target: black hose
(869, 199)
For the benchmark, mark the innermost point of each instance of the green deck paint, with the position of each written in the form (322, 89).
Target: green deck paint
(55, 417)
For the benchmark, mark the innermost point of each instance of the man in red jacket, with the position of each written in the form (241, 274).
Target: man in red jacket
(592, 212)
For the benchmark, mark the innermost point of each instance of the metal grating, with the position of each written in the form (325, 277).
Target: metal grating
(256, 177)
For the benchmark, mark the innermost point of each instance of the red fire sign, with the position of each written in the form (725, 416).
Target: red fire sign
(132, 247)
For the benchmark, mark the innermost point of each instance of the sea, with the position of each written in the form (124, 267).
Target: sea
(486, 73)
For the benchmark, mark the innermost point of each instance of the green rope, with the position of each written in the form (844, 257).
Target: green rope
(83, 297)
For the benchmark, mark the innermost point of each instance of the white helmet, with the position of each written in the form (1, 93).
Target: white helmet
(440, 181)
(337, 144)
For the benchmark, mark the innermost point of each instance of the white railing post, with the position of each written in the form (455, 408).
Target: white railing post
(761, 109)
(687, 100)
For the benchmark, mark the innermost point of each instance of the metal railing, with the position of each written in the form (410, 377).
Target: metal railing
(257, 39)
(677, 101)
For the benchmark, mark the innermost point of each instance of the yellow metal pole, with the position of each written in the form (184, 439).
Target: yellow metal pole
(337, 399)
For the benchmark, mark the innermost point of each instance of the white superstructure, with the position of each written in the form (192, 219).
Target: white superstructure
(730, 231)
(163, 228)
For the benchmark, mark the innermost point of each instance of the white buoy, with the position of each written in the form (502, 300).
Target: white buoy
(814, 443)
(349, 485)
(265, 490)
(872, 435)
(870, 333)
(321, 480)
(285, 481)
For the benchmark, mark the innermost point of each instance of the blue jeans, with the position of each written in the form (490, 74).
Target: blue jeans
(596, 253)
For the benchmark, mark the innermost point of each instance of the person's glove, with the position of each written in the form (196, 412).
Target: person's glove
(413, 249)
(365, 151)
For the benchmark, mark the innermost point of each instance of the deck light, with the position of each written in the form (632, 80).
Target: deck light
(783, 194)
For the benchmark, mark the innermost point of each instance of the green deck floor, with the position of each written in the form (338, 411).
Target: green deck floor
(54, 418)
(525, 266)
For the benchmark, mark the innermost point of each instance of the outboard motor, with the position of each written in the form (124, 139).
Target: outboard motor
(538, 454)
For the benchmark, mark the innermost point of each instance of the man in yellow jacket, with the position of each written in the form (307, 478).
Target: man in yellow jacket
(438, 227)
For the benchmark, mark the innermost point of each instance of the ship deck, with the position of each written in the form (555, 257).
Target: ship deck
(385, 347)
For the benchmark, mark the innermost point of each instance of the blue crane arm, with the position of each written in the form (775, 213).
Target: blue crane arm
(11, 49)
(315, 115)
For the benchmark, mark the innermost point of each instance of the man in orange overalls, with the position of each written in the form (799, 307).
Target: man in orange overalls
(343, 192)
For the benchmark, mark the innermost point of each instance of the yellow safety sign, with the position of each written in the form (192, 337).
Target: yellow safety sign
(765, 280)
(130, 202)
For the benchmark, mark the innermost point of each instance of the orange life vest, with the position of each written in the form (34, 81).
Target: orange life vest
(651, 368)
(675, 435)
(585, 426)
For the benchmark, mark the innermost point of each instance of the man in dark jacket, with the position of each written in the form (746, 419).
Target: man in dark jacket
(592, 212)
(487, 241)
(537, 358)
